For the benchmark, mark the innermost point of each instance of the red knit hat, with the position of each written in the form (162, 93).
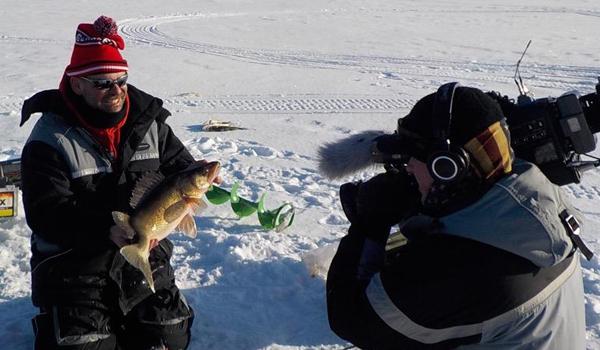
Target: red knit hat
(96, 49)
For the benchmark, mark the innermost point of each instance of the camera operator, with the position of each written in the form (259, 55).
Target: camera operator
(490, 260)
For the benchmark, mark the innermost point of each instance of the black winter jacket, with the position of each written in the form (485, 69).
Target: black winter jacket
(69, 210)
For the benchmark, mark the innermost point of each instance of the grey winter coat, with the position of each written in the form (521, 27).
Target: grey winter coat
(499, 274)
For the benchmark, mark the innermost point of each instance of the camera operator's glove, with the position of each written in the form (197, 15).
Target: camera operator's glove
(374, 206)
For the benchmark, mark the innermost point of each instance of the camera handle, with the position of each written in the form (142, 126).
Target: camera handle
(583, 166)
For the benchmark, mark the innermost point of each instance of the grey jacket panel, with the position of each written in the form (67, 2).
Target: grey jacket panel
(74, 144)
(520, 214)
(148, 148)
(540, 328)
(531, 325)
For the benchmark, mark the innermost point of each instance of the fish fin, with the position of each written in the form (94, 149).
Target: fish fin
(197, 205)
(122, 220)
(188, 226)
(138, 257)
(175, 211)
(143, 186)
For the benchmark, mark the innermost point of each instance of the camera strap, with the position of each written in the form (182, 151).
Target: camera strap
(573, 230)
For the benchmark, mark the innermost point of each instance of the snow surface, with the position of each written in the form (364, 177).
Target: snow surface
(296, 74)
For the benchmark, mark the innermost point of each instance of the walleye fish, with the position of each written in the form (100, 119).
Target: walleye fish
(161, 206)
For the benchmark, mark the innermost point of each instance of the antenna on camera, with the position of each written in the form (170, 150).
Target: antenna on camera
(524, 93)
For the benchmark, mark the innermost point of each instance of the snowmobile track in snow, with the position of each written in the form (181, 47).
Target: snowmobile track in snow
(286, 104)
(146, 31)
(291, 104)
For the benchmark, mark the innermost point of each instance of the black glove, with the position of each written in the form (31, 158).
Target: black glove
(374, 206)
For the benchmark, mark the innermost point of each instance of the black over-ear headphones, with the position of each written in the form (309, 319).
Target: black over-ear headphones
(447, 162)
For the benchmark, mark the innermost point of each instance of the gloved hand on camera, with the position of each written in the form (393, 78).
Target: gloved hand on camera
(374, 206)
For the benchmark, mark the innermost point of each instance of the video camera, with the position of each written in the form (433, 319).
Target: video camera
(553, 133)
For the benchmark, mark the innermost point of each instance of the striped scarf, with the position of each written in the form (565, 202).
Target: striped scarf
(491, 153)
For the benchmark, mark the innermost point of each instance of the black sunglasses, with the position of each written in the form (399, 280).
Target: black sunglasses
(104, 84)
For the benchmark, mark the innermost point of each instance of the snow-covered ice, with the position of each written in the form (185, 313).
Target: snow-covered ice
(295, 74)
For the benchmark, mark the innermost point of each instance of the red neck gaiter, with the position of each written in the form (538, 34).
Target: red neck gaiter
(108, 137)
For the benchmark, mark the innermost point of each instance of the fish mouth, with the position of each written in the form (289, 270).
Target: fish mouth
(204, 174)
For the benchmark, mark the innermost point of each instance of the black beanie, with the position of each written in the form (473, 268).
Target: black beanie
(472, 112)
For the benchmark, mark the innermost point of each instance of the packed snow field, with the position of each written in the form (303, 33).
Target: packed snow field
(294, 75)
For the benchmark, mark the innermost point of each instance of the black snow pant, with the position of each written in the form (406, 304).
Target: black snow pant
(82, 307)
(129, 335)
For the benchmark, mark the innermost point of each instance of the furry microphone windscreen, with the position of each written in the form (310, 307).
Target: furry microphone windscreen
(347, 156)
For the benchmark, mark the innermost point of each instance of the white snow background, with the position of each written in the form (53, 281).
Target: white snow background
(296, 74)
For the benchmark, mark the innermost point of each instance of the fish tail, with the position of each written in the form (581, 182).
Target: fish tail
(138, 257)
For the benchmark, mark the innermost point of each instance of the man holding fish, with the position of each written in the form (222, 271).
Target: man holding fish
(104, 181)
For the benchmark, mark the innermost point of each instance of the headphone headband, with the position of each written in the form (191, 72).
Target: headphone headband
(442, 111)
(448, 162)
